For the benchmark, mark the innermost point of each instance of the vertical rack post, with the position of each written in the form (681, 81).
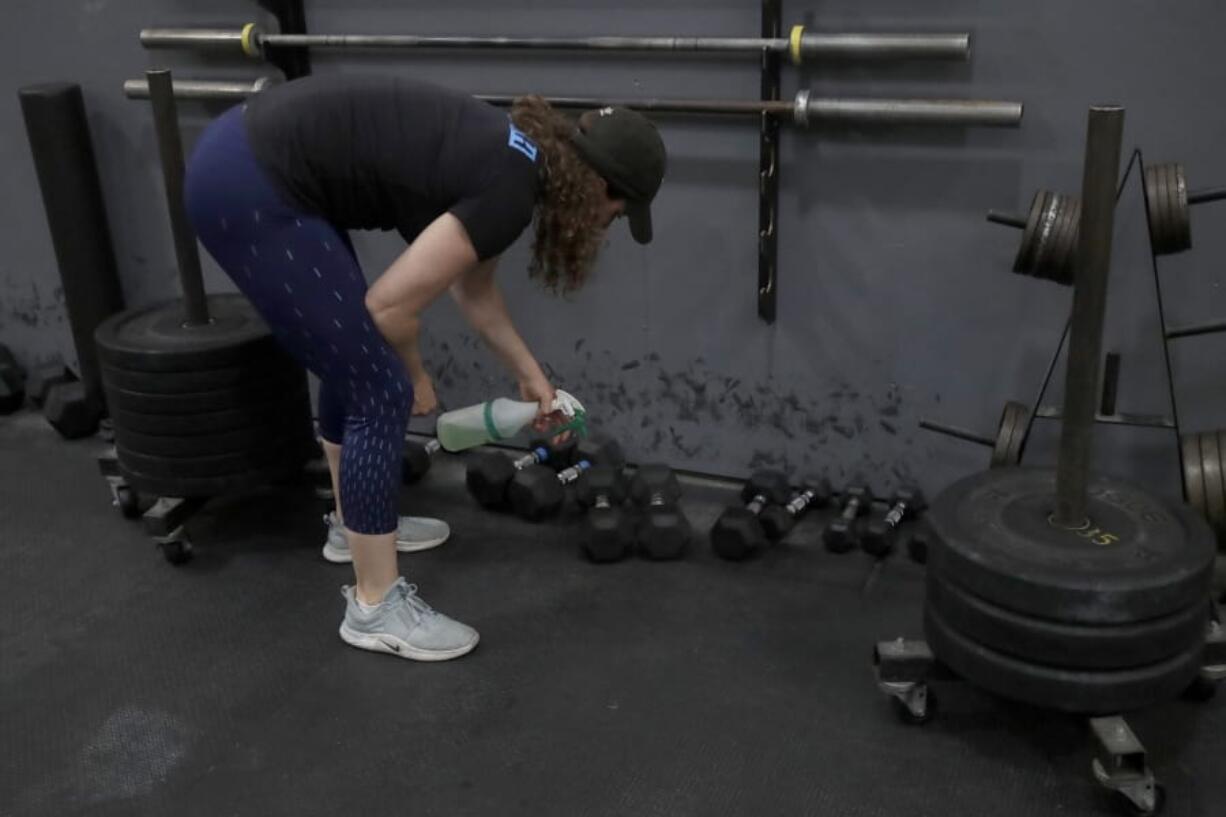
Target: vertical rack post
(768, 173)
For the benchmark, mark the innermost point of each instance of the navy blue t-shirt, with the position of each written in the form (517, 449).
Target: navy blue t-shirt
(381, 152)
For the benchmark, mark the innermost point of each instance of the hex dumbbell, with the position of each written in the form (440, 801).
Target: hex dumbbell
(416, 460)
(608, 531)
(537, 492)
(489, 473)
(881, 533)
(842, 534)
(663, 531)
(778, 520)
(739, 533)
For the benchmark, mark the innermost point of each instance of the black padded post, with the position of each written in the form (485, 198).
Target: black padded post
(72, 196)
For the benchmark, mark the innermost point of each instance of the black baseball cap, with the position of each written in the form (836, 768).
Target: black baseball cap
(626, 150)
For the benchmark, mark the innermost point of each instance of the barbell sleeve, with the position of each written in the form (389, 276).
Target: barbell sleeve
(941, 112)
(202, 88)
(1207, 195)
(1007, 219)
(959, 433)
(1197, 329)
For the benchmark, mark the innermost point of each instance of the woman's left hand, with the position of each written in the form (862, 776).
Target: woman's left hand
(424, 399)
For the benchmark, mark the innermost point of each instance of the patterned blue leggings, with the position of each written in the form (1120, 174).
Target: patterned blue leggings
(301, 274)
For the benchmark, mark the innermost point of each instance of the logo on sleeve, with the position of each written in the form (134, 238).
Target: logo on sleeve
(519, 141)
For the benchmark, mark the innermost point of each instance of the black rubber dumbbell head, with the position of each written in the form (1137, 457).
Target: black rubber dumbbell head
(43, 377)
(878, 535)
(664, 532)
(608, 532)
(71, 410)
(738, 533)
(537, 492)
(772, 485)
(490, 472)
(842, 533)
(416, 460)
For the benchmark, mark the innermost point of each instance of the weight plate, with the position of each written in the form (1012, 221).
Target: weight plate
(1140, 558)
(1067, 264)
(1151, 203)
(1045, 237)
(1161, 226)
(253, 459)
(269, 362)
(288, 381)
(1004, 450)
(1024, 260)
(1048, 265)
(210, 486)
(1068, 690)
(1061, 644)
(1211, 467)
(1017, 442)
(1193, 474)
(285, 409)
(1221, 445)
(1182, 233)
(1170, 227)
(202, 445)
(154, 339)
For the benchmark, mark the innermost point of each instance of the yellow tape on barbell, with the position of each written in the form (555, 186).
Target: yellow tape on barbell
(251, 46)
(794, 43)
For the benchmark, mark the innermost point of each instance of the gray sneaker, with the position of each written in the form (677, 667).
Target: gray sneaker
(413, 533)
(404, 625)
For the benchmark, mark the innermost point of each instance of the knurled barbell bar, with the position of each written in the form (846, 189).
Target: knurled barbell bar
(800, 45)
(803, 110)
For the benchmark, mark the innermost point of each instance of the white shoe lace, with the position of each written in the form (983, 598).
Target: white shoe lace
(409, 593)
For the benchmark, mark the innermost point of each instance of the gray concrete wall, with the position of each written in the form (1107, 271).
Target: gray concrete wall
(895, 296)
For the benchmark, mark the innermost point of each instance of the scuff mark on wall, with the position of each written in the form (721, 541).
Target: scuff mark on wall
(697, 417)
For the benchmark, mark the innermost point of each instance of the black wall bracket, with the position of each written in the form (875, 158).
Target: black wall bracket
(768, 172)
(294, 62)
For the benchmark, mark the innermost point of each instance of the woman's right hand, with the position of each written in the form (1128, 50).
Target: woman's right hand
(542, 392)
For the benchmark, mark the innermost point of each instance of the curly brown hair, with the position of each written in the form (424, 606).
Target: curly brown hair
(568, 228)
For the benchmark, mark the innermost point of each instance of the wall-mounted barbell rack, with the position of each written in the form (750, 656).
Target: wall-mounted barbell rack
(288, 49)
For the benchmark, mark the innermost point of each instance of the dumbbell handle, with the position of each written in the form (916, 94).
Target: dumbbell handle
(800, 501)
(852, 509)
(571, 474)
(894, 518)
(602, 502)
(756, 505)
(538, 454)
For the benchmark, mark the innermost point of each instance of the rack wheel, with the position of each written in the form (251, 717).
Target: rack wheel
(177, 551)
(911, 718)
(128, 501)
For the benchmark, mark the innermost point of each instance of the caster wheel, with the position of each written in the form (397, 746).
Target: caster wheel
(128, 501)
(1131, 808)
(177, 552)
(1200, 690)
(910, 718)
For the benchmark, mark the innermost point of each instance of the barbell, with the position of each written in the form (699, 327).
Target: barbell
(802, 111)
(800, 45)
